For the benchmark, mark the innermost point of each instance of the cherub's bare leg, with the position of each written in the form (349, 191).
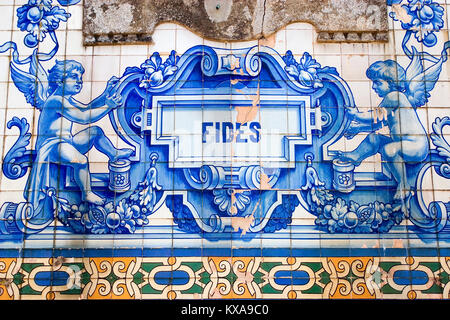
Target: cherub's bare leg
(370, 146)
(71, 157)
(92, 197)
(95, 137)
(121, 154)
(391, 153)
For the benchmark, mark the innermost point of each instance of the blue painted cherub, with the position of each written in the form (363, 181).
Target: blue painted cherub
(402, 92)
(53, 95)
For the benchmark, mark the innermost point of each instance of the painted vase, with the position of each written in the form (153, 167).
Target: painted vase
(119, 175)
(343, 179)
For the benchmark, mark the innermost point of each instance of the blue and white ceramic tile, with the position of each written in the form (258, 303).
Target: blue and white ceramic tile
(198, 148)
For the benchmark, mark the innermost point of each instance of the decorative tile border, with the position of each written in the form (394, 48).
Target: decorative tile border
(175, 261)
(225, 278)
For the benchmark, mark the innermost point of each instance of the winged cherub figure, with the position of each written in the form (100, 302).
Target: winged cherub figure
(403, 91)
(53, 95)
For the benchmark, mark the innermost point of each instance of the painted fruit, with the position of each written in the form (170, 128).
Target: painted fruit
(113, 220)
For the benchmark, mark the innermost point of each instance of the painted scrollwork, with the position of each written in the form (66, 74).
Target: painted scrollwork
(18, 159)
(442, 145)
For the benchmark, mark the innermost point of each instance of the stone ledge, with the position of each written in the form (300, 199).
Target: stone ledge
(228, 20)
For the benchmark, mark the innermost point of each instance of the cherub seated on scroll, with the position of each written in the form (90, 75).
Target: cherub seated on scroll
(402, 92)
(53, 96)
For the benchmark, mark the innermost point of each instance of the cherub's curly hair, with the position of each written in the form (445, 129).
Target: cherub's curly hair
(59, 72)
(389, 71)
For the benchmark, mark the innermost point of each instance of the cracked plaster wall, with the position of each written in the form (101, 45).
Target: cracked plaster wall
(238, 20)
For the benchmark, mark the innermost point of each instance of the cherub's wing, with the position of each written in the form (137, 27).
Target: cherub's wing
(29, 85)
(415, 66)
(421, 81)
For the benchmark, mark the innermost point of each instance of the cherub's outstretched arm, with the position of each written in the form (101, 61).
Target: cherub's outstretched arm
(70, 109)
(367, 117)
(79, 112)
(100, 101)
(361, 122)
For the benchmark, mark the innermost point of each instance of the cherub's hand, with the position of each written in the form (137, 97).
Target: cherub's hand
(113, 100)
(112, 83)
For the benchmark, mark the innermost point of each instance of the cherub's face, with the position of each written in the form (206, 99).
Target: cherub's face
(73, 82)
(381, 87)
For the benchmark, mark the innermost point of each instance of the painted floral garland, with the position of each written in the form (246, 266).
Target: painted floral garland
(335, 215)
(128, 214)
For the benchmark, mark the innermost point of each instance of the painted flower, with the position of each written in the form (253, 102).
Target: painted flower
(119, 179)
(305, 71)
(425, 17)
(344, 179)
(156, 71)
(68, 2)
(39, 17)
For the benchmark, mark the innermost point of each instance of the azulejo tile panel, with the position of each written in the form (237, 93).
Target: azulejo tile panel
(205, 170)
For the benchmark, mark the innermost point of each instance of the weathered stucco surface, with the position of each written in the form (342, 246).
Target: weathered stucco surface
(129, 21)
